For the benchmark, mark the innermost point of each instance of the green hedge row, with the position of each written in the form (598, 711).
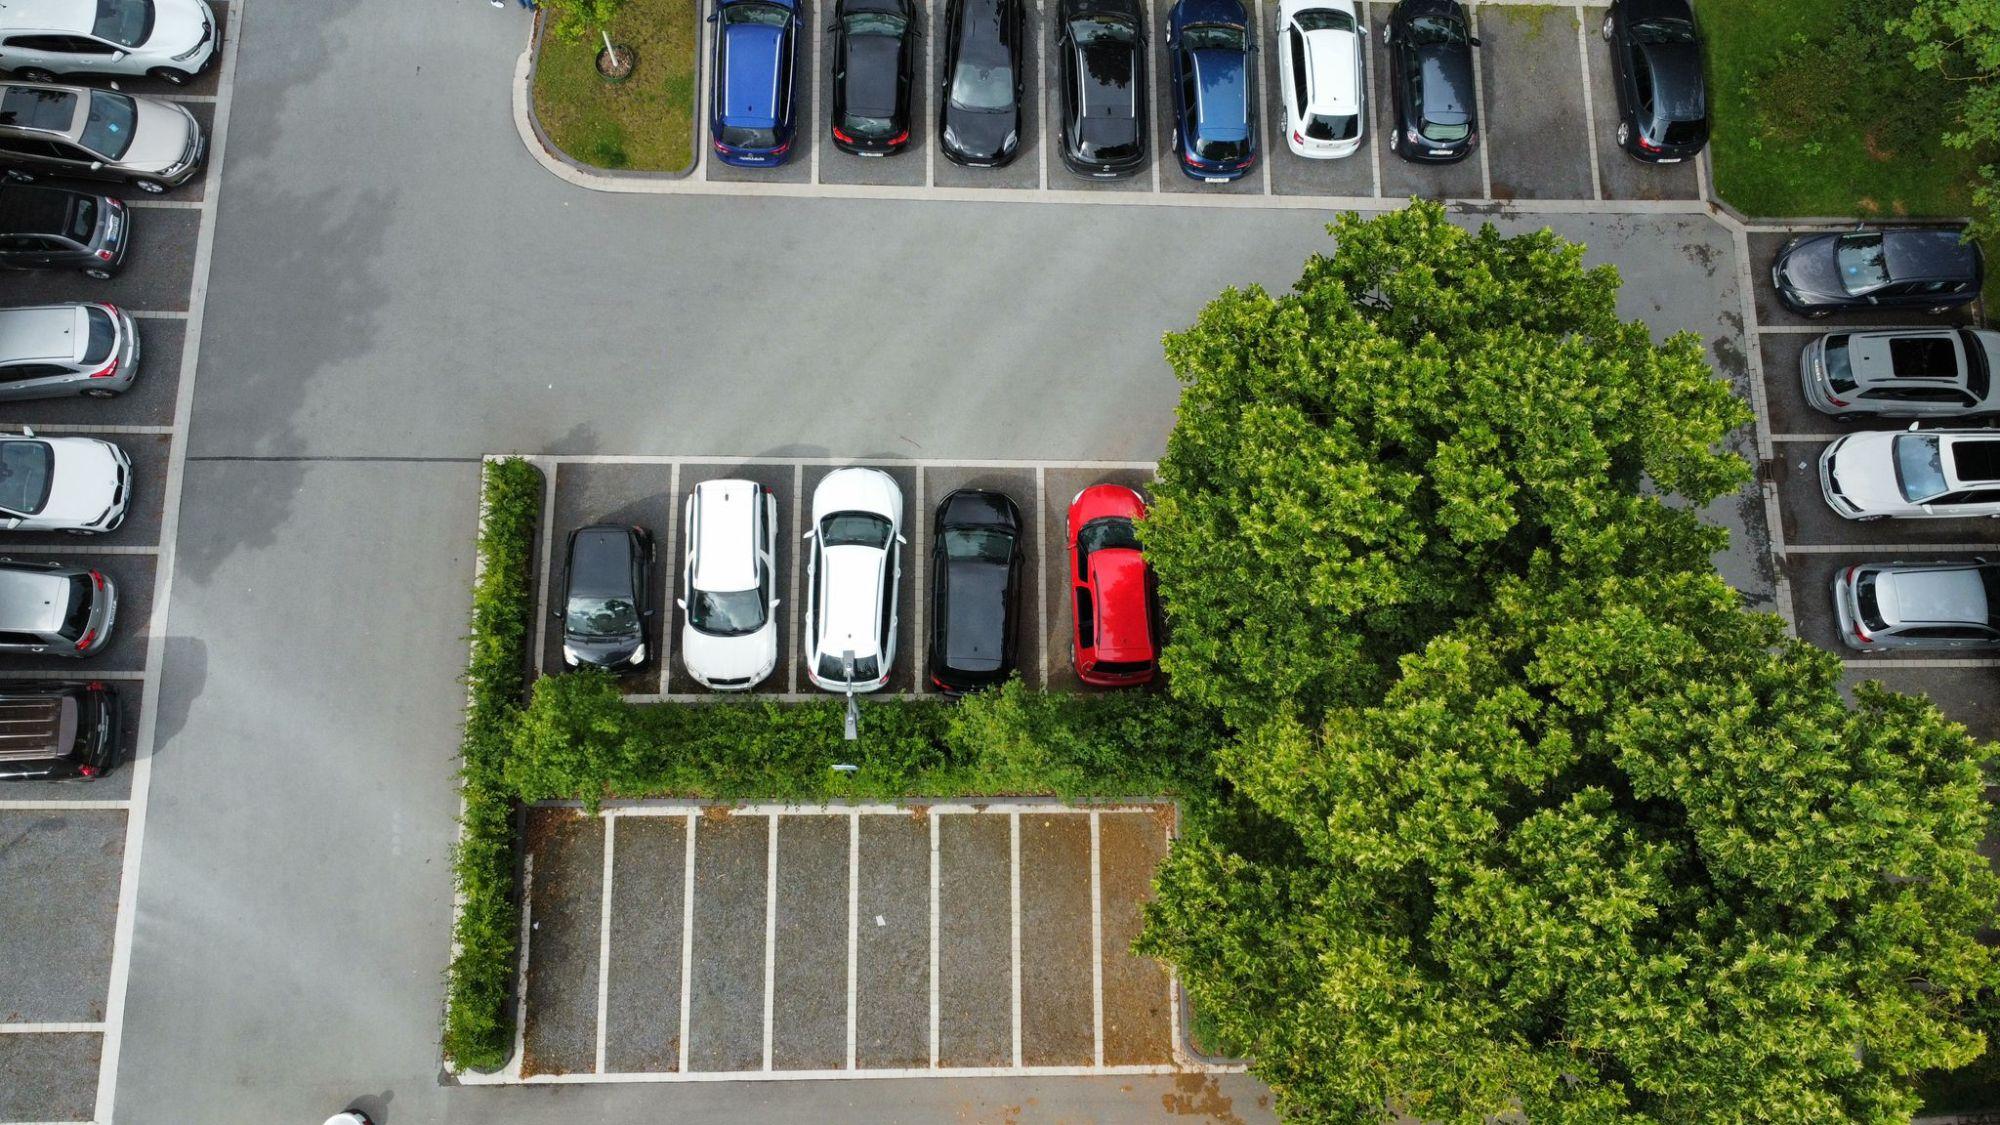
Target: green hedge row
(488, 925)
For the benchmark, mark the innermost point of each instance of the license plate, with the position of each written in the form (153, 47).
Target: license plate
(1215, 179)
(874, 154)
(1670, 160)
(1440, 152)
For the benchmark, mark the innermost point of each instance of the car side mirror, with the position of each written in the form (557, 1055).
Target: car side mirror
(1915, 424)
(903, 541)
(1472, 40)
(97, 165)
(807, 535)
(776, 602)
(651, 612)
(711, 17)
(681, 602)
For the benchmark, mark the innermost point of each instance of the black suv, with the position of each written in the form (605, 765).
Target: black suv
(605, 585)
(44, 228)
(51, 730)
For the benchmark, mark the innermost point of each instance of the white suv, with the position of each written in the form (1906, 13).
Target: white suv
(1932, 474)
(171, 40)
(851, 574)
(73, 484)
(729, 584)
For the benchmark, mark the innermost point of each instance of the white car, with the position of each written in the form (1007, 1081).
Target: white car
(852, 568)
(729, 584)
(1930, 474)
(1322, 76)
(171, 40)
(75, 484)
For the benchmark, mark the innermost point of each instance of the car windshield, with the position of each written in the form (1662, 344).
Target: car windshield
(1432, 31)
(980, 543)
(876, 23)
(1212, 37)
(831, 667)
(108, 128)
(1862, 266)
(1101, 29)
(727, 613)
(978, 86)
(124, 22)
(854, 529)
(601, 617)
(1919, 466)
(1978, 375)
(1839, 365)
(770, 15)
(26, 472)
(1324, 19)
(1101, 534)
(1663, 31)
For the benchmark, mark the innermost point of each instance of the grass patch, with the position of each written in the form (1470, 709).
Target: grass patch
(645, 124)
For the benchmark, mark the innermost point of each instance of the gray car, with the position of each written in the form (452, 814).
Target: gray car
(1941, 605)
(54, 351)
(55, 609)
(97, 134)
(1904, 373)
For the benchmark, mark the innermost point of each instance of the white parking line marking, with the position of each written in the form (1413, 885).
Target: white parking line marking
(919, 649)
(673, 572)
(191, 99)
(1701, 173)
(64, 806)
(95, 674)
(84, 549)
(933, 818)
(475, 1078)
(687, 940)
(853, 916)
(1042, 563)
(521, 971)
(604, 938)
(1367, 82)
(157, 314)
(548, 544)
(798, 644)
(1096, 941)
(1256, 12)
(51, 1028)
(167, 204)
(819, 78)
(1880, 665)
(1774, 526)
(1042, 77)
(1888, 548)
(1803, 439)
(1479, 85)
(770, 929)
(92, 428)
(930, 92)
(1817, 329)
(1014, 935)
(1589, 110)
(991, 806)
(1753, 356)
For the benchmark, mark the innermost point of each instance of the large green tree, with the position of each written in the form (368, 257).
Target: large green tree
(1358, 461)
(1960, 41)
(1610, 850)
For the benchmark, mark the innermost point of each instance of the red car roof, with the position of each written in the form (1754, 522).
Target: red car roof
(1124, 628)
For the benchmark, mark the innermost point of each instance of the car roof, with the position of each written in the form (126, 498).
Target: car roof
(1908, 594)
(600, 560)
(34, 210)
(50, 109)
(750, 74)
(1333, 74)
(850, 604)
(1972, 458)
(1917, 252)
(1923, 355)
(48, 15)
(44, 332)
(1679, 91)
(726, 542)
(32, 599)
(1222, 94)
(975, 614)
(1118, 580)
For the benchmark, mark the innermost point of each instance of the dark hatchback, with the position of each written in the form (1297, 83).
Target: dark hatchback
(751, 114)
(872, 69)
(1215, 99)
(1101, 49)
(52, 730)
(1656, 67)
(979, 114)
(44, 228)
(1931, 268)
(604, 606)
(1431, 85)
(976, 559)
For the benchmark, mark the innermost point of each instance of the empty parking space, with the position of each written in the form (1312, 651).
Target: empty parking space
(49, 1077)
(55, 934)
(636, 495)
(1533, 97)
(901, 940)
(150, 402)
(1964, 694)
(1292, 174)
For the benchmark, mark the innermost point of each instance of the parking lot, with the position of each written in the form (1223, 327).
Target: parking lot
(648, 491)
(675, 942)
(1548, 112)
(68, 851)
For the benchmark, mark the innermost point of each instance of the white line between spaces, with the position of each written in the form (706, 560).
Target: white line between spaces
(672, 573)
(604, 938)
(107, 805)
(1888, 548)
(934, 939)
(1805, 438)
(51, 1028)
(474, 1078)
(1042, 562)
(86, 549)
(796, 644)
(91, 428)
(167, 204)
(770, 928)
(1367, 81)
(1096, 940)
(853, 924)
(1479, 83)
(687, 940)
(1589, 110)
(1014, 925)
(984, 806)
(521, 970)
(1891, 664)
(157, 314)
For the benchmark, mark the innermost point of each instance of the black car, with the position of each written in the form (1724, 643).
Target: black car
(44, 228)
(979, 115)
(1656, 66)
(1931, 268)
(1431, 83)
(1101, 48)
(604, 605)
(872, 68)
(976, 560)
(53, 730)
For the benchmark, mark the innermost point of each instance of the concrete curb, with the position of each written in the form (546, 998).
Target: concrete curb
(545, 149)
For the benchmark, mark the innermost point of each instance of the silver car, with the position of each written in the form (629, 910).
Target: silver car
(54, 351)
(1907, 373)
(171, 40)
(1942, 605)
(97, 134)
(55, 609)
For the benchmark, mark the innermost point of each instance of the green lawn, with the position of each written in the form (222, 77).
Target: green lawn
(644, 124)
(1867, 170)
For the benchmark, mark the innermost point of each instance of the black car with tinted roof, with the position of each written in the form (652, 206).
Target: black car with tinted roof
(1656, 67)
(604, 607)
(976, 562)
(1929, 268)
(979, 110)
(873, 63)
(1431, 81)
(1101, 55)
(44, 228)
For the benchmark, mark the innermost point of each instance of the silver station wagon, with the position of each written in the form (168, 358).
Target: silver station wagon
(1943, 605)
(54, 351)
(1907, 373)
(97, 134)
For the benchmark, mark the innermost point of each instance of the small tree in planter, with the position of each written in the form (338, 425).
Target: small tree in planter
(571, 20)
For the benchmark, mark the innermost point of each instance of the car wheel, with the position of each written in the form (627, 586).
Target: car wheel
(34, 74)
(94, 393)
(98, 272)
(170, 76)
(150, 187)
(1607, 29)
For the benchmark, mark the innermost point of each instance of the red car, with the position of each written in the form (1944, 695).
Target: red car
(1112, 588)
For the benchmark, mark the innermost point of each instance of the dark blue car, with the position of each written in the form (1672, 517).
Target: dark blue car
(751, 114)
(1215, 97)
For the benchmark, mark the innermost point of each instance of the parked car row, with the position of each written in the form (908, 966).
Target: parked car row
(728, 587)
(1100, 52)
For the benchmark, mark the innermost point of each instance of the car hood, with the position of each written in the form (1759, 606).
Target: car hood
(1677, 84)
(711, 657)
(178, 25)
(858, 490)
(160, 137)
(85, 478)
(1865, 471)
(1809, 267)
(981, 134)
